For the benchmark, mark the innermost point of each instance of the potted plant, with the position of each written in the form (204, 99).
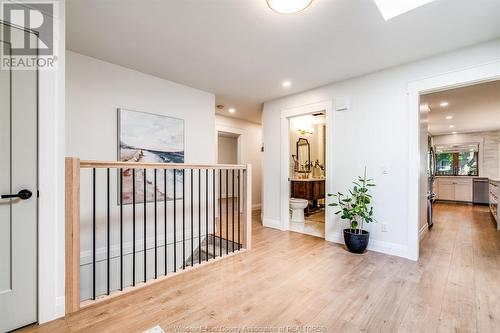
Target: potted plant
(356, 209)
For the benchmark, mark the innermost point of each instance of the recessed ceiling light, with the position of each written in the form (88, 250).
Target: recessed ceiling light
(444, 104)
(286, 84)
(393, 8)
(232, 110)
(288, 6)
(452, 126)
(449, 117)
(453, 132)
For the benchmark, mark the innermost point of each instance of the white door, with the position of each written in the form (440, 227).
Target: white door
(18, 177)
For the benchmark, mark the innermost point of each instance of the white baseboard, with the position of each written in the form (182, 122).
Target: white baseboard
(271, 223)
(375, 245)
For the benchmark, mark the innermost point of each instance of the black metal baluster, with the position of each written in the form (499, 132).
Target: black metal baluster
(144, 218)
(199, 216)
(165, 216)
(175, 220)
(206, 212)
(213, 209)
(192, 217)
(220, 212)
(232, 208)
(183, 219)
(156, 227)
(133, 227)
(227, 211)
(93, 233)
(108, 232)
(239, 212)
(121, 229)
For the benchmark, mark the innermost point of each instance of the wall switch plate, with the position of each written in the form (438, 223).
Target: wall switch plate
(384, 227)
(384, 170)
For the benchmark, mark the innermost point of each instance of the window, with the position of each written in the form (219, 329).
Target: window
(457, 160)
(445, 164)
(467, 164)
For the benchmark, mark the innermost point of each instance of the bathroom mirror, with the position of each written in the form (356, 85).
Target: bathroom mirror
(303, 155)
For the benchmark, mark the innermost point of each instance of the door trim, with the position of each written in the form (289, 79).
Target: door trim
(286, 114)
(459, 78)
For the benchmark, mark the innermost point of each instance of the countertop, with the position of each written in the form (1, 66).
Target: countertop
(495, 179)
(460, 177)
(306, 179)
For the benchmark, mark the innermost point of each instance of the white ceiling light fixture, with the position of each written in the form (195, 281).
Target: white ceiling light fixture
(288, 6)
(444, 104)
(286, 84)
(232, 110)
(449, 117)
(453, 132)
(452, 126)
(392, 8)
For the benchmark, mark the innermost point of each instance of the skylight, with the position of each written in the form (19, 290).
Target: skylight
(392, 8)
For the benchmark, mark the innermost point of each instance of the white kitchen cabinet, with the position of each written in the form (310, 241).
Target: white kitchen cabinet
(463, 191)
(446, 190)
(494, 193)
(454, 189)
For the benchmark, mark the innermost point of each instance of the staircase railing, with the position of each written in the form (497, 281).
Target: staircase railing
(130, 224)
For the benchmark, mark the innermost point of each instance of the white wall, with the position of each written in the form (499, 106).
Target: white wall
(489, 162)
(251, 143)
(94, 91)
(227, 148)
(316, 142)
(373, 133)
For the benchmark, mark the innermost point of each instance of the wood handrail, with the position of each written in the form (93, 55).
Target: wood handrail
(139, 165)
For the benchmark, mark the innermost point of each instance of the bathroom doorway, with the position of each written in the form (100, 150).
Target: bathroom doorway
(307, 173)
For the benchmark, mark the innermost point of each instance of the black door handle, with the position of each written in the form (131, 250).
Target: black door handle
(23, 195)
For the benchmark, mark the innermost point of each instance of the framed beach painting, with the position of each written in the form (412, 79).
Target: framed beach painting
(150, 138)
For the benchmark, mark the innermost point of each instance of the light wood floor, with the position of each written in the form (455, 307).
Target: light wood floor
(294, 279)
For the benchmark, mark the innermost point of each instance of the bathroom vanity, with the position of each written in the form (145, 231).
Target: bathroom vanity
(311, 189)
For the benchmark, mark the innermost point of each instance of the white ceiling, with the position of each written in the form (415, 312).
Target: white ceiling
(241, 50)
(474, 108)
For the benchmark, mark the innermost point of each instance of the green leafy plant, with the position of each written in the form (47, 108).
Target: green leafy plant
(355, 207)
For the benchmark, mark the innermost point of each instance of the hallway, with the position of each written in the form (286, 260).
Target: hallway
(297, 280)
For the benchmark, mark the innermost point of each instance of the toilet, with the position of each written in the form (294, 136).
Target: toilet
(297, 207)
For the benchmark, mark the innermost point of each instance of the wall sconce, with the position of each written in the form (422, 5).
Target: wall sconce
(306, 131)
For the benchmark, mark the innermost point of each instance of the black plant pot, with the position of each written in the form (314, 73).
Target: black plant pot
(356, 241)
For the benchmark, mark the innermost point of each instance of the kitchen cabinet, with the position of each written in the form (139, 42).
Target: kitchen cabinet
(454, 188)
(494, 192)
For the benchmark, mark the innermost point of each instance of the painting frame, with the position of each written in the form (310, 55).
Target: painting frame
(121, 145)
